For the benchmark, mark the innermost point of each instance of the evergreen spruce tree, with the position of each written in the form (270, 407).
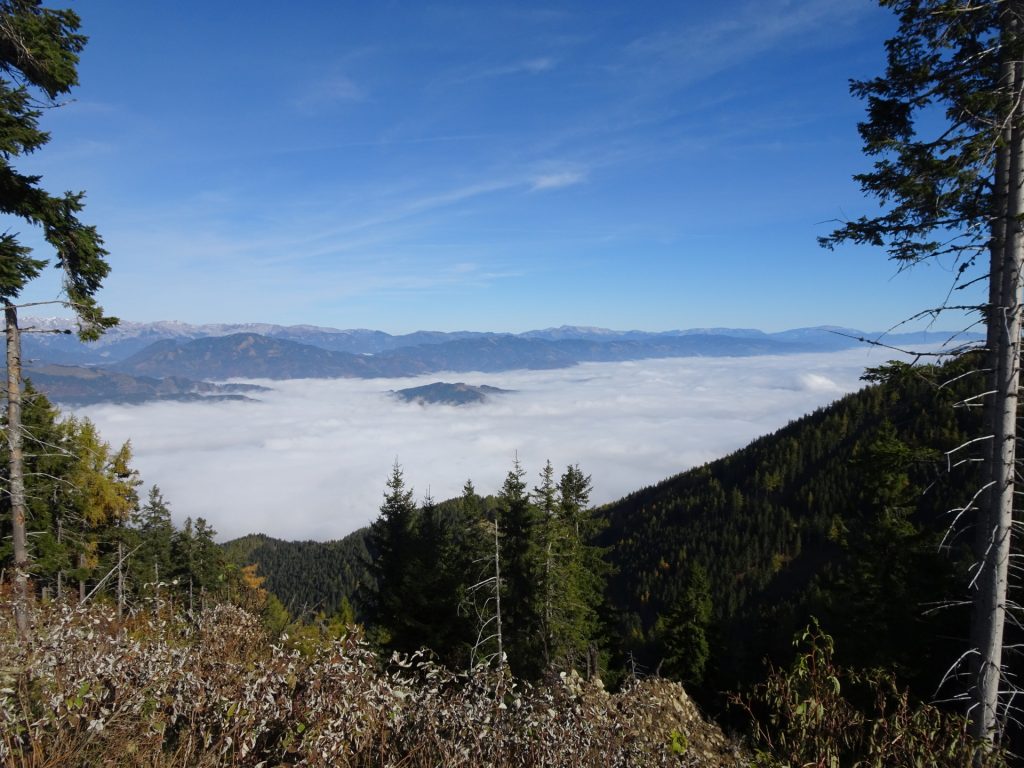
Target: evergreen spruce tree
(48, 459)
(197, 562)
(584, 571)
(874, 603)
(572, 570)
(451, 547)
(39, 50)
(521, 600)
(481, 602)
(152, 561)
(209, 558)
(431, 599)
(392, 545)
(682, 632)
(552, 546)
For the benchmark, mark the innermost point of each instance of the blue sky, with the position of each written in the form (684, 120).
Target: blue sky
(475, 165)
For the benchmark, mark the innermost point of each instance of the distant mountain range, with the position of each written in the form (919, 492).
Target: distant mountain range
(443, 393)
(139, 361)
(76, 385)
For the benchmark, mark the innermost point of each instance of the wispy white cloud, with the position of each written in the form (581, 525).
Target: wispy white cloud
(558, 180)
(535, 65)
(693, 52)
(531, 66)
(327, 92)
(340, 88)
(311, 458)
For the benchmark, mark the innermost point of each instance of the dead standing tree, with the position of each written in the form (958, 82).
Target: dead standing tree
(16, 472)
(946, 126)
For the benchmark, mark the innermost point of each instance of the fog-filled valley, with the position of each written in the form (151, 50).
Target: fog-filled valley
(309, 458)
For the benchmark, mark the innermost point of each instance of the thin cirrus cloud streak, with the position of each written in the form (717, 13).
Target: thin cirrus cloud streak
(311, 458)
(303, 240)
(694, 53)
(532, 66)
(558, 180)
(327, 92)
(296, 238)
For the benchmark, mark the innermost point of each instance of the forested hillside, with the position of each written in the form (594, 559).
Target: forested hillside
(839, 515)
(309, 577)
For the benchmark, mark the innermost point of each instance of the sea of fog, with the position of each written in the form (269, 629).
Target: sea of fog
(309, 460)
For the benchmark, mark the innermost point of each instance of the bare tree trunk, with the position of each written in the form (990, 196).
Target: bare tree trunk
(980, 624)
(60, 571)
(81, 577)
(547, 635)
(17, 472)
(497, 591)
(995, 519)
(120, 580)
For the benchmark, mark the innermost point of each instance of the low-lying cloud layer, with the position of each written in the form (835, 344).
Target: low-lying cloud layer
(311, 458)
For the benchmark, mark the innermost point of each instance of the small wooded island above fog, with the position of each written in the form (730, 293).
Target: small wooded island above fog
(444, 393)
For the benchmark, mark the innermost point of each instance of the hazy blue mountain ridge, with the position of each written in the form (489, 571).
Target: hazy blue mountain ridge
(76, 385)
(244, 355)
(254, 356)
(129, 338)
(171, 360)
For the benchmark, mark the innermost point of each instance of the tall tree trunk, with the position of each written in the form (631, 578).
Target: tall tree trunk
(120, 580)
(497, 592)
(16, 470)
(81, 577)
(60, 571)
(547, 635)
(1004, 331)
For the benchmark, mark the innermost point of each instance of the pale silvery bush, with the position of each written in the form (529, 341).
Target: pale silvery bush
(212, 690)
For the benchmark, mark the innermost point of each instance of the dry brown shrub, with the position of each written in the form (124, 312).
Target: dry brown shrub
(211, 690)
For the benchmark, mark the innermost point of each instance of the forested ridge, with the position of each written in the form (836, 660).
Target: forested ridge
(318, 577)
(838, 515)
(309, 577)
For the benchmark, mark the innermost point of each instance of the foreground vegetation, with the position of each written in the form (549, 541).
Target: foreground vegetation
(167, 687)
(209, 688)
